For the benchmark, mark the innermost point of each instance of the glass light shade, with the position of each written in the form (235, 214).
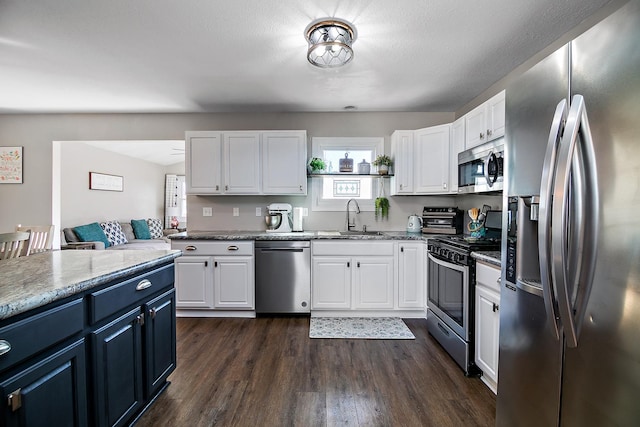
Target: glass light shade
(330, 43)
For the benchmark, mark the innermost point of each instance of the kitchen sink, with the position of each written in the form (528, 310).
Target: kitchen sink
(361, 233)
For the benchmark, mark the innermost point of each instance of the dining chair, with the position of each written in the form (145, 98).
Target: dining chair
(12, 244)
(41, 239)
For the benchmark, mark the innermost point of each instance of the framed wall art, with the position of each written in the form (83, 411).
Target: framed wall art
(10, 165)
(105, 182)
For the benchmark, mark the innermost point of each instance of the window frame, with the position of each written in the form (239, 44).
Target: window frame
(319, 145)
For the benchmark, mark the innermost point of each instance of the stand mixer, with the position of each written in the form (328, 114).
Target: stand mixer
(278, 218)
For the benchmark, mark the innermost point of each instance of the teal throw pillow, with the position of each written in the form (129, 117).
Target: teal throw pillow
(91, 233)
(140, 228)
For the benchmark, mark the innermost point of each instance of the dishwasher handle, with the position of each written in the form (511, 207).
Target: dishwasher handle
(281, 249)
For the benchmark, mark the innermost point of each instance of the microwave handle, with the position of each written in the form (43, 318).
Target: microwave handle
(490, 158)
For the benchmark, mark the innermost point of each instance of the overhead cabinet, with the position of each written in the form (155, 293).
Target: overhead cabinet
(422, 161)
(246, 162)
(485, 122)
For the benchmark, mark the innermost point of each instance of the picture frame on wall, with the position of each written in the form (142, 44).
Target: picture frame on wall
(105, 182)
(10, 165)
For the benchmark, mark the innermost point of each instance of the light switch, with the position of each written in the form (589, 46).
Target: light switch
(258, 211)
(207, 211)
(236, 211)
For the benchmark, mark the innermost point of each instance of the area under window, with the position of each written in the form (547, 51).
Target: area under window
(331, 192)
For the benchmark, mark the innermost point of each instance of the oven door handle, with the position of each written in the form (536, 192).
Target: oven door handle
(457, 267)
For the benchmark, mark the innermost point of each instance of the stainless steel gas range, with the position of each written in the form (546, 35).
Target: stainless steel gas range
(451, 295)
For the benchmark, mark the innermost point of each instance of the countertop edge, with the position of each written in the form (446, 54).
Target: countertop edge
(490, 257)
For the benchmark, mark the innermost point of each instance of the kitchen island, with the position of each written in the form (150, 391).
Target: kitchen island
(86, 337)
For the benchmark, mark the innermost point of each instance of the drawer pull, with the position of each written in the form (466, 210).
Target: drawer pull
(190, 248)
(232, 248)
(152, 313)
(140, 319)
(14, 400)
(5, 347)
(144, 284)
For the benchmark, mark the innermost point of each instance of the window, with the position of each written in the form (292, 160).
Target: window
(331, 193)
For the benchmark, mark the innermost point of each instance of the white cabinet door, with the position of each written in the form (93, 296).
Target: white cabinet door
(194, 282)
(331, 283)
(475, 124)
(242, 163)
(496, 116)
(411, 283)
(203, 162)
(432, 159)
(373, 282)
(402, 156)
(284, 157)
(487, 334)
(234, 282)
(457, 146)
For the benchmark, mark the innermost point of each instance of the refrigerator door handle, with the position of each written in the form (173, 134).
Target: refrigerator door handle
(572, 306)
(544, 221)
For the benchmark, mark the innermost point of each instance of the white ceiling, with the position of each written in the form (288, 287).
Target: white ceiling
(244, 55)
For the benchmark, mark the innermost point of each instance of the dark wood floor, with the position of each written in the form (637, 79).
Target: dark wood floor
(268, 372)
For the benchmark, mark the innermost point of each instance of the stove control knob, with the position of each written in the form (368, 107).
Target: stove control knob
(456, 257)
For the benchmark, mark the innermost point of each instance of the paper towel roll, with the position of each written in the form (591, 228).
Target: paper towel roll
(297, 219)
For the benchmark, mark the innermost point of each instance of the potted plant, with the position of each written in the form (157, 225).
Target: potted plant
(382, 208)
(317, 165)
(383, 162)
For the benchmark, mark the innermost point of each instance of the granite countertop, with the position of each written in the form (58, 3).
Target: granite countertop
(490, 257)
(36, 280)
(302, 235)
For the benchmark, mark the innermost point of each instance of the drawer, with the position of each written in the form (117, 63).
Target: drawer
(364, 247)
(488, 276)
(108, 301)
(221, 247)
(30, 336)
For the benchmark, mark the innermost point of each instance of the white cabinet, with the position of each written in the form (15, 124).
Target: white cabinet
(373, 282)
(485, 122)
(203, 162)
(241, 166)
(402, 157)
(284, 156)
(352, 275)
(246, 163)
(194, 282)
(233, 282)
(214, 276)
(421, 161)
(432, 160)
(411, 268)
(458, 134)
(487, 323)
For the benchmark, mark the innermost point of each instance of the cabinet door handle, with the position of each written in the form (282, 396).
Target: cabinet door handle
(301, 188)
(232, 248)
(14, 400)
(358, 264)
(5, 347)
(496, 307)
(401, 248)
(444, 185)
(215, 264)
(481, 135)
(152, 313)
(206, 263)
(190, 248)
(489, 132)
(348, 264)
(144, 284)
(217, 187)
(226, 188)
(140, 319)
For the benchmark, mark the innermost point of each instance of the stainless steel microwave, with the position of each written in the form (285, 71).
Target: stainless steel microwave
(480, 169)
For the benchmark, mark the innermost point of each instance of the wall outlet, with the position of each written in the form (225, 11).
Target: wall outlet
(236, 211)
(207, 211)
(258, 211)
(305, 211)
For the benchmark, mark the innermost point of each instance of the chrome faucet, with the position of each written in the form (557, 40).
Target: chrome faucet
(350, 226)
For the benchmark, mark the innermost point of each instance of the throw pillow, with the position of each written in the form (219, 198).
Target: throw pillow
(114, 233)
(141, 229)
(155, 228)
(91, 233)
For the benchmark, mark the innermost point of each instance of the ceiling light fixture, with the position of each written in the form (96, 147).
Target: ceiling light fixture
(330, 42)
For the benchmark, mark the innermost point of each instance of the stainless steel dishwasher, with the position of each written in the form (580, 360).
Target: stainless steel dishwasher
(283, 276)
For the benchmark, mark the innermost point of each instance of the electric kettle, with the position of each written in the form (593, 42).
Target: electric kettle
(414, 224)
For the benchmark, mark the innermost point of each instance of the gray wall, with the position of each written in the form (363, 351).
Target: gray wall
(143, 195)
(32, 201)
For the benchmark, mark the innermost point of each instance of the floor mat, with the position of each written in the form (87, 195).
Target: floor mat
(388, 328)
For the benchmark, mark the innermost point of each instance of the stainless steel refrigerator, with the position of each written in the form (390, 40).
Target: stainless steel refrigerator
(570, 291)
